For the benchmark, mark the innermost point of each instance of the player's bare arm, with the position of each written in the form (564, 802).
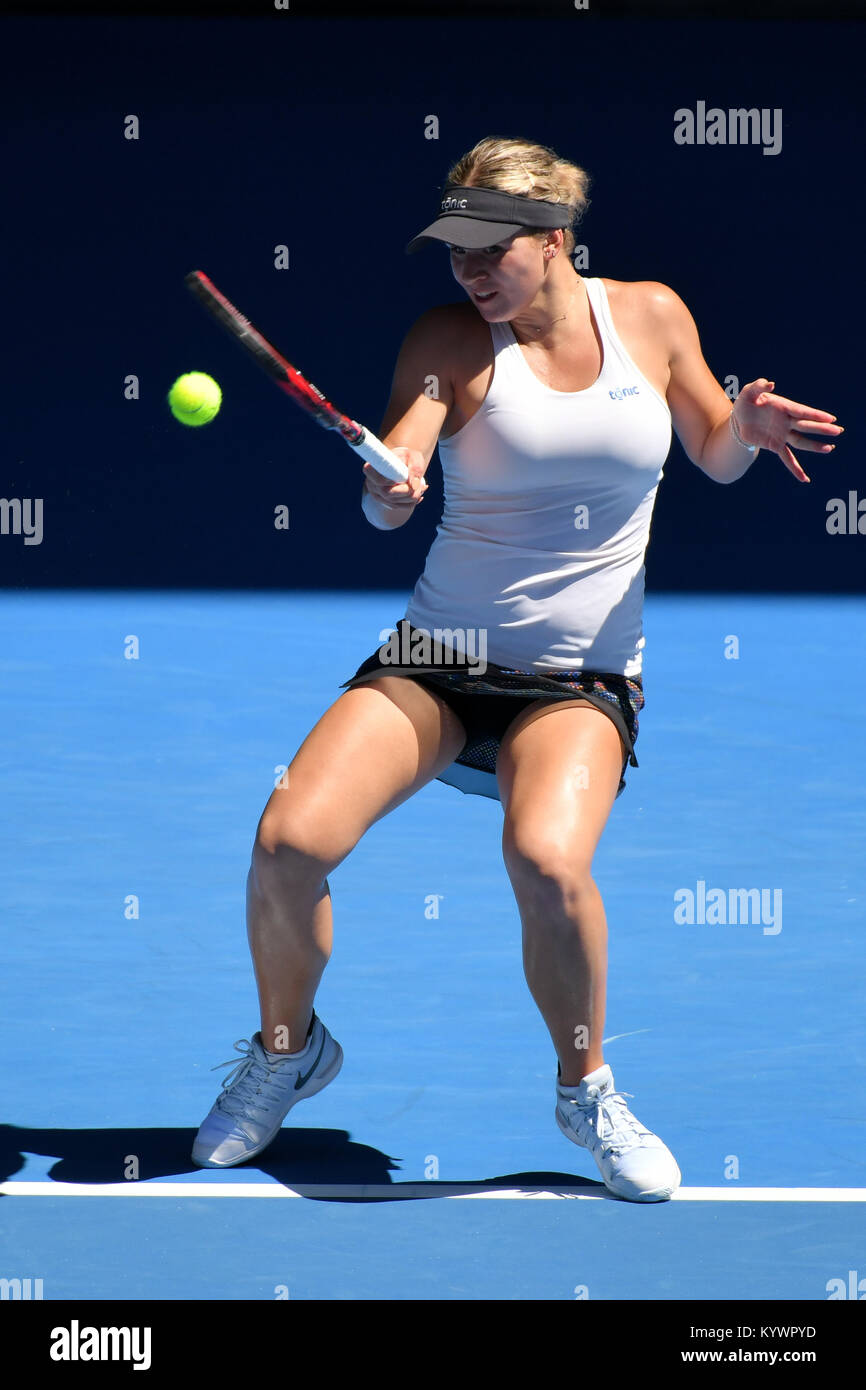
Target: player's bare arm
(422, 394)
(701, 410)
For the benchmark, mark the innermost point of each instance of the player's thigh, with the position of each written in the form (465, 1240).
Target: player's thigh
(558, 769)
(371, 750)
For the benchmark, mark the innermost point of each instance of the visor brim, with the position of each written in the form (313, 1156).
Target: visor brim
(471, 232)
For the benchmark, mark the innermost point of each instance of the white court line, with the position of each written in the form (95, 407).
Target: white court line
(424, 1190)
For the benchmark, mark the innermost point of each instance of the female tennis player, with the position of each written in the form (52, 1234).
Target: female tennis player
(516, 670)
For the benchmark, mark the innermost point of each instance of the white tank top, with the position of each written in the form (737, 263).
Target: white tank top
(548, 502)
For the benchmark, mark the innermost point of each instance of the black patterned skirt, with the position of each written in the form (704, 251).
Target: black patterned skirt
(487, 702)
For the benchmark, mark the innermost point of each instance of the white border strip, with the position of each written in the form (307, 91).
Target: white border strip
(422, 1190)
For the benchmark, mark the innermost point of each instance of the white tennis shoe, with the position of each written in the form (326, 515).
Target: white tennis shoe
(258, 1095)
(634, 1163)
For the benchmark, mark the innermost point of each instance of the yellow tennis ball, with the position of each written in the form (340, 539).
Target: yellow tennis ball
(195, 398)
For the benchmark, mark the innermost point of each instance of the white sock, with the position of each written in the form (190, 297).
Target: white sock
(592, 1077)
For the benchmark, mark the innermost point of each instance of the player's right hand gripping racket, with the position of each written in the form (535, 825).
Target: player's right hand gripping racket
(290, 380)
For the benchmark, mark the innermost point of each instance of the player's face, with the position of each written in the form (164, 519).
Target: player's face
(501, 279)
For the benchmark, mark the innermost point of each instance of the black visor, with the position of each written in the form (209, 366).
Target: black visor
(477, 217)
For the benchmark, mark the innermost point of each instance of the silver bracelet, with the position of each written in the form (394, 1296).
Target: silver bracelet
(752, 448)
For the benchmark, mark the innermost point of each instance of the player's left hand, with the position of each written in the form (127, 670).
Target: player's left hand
(774, 423)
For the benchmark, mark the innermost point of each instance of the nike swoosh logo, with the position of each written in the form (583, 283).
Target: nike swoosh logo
(301, 1078)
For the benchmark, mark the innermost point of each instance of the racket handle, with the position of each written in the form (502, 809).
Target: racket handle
(374, 452)
(374, 511)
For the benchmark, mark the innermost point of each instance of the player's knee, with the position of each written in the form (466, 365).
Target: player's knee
(540, 864)
(290, 846)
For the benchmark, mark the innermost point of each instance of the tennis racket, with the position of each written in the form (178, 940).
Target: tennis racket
(293, 382)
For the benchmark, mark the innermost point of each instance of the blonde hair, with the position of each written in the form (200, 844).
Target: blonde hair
(530, 170)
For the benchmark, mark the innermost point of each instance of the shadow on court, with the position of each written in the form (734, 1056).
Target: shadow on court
(320, 1164)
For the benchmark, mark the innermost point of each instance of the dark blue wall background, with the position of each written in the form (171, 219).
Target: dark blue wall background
(311, 133)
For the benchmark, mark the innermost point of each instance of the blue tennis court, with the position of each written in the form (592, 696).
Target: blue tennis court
(145, 732)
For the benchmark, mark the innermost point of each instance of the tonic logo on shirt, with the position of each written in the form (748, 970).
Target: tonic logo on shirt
(620, 392)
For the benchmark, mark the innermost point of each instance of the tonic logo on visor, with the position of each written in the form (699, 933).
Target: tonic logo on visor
(449, 203)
